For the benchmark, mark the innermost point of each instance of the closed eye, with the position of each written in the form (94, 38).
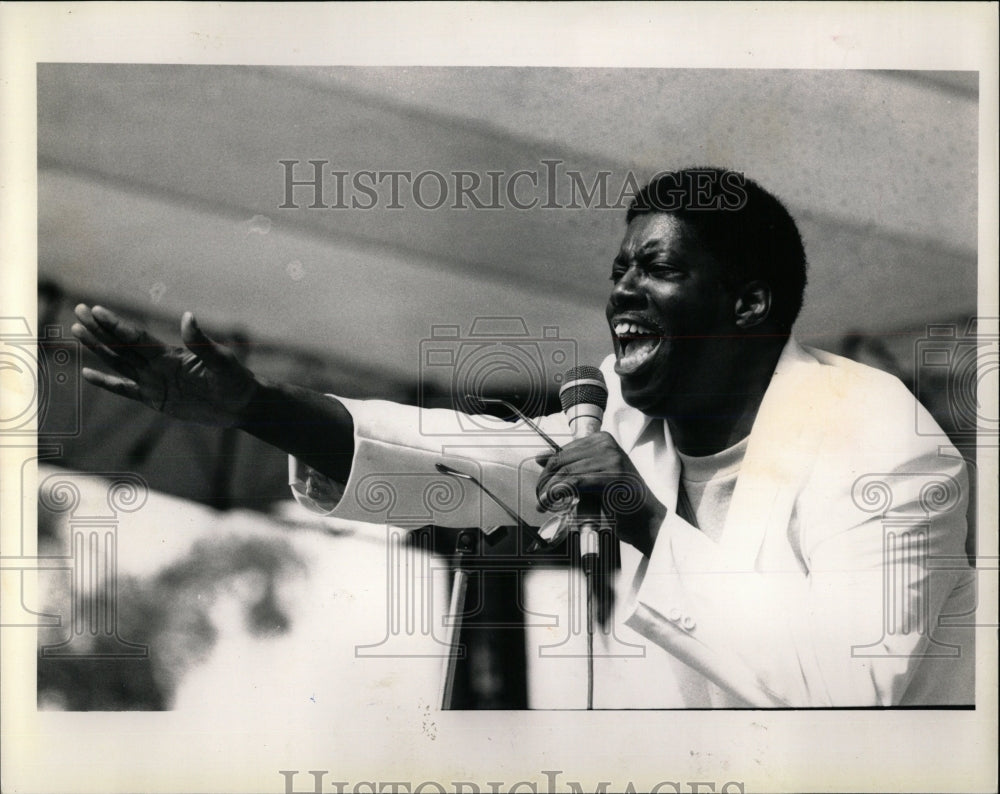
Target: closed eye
(618, 269)
(663, 270)
(656, 269)
(660, 268)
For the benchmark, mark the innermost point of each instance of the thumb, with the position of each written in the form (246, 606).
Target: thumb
(197, 341)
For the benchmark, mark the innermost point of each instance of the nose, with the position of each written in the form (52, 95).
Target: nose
(627, 292)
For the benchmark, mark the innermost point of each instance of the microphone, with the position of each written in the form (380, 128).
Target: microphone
(584, 396)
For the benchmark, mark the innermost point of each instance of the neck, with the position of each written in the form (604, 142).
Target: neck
(710, 425)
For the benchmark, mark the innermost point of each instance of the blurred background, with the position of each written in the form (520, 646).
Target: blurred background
(161, 189)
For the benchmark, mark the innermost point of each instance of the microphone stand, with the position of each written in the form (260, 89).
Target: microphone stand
(589, 544)
(589, 539)
(465, 544)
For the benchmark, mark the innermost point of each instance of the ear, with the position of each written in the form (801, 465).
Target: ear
(753, 304)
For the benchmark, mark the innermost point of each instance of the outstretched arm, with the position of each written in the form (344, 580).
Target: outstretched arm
(203, 382)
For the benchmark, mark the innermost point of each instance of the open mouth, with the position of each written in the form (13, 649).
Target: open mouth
(637, 343)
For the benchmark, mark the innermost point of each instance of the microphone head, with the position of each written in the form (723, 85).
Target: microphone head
(584, 386)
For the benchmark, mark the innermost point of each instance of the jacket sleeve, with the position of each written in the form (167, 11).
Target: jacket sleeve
(393, 476)
(884, 578)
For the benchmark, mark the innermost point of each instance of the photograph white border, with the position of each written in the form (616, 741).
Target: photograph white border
(766, 751)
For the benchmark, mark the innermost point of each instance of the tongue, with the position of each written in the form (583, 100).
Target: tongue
(635, 355)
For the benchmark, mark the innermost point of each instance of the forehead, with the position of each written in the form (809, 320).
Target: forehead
(657, 231)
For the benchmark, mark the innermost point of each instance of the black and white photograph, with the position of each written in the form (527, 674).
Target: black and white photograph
(422, 420)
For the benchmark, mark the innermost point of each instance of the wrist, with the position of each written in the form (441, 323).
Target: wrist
(658, 514)
(641, 527)
(262, 393)
(654, 518)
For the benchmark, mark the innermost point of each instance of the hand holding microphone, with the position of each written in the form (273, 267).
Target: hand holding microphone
(594, 465)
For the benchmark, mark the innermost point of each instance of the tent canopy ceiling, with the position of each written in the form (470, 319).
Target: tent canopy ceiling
(163, 185)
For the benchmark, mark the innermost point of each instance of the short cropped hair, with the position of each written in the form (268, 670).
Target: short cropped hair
(746, 228)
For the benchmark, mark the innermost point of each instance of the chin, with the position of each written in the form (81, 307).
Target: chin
(645, 397)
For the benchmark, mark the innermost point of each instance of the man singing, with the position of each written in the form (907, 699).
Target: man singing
(791, 540)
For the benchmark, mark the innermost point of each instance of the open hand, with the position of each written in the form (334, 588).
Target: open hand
(202, 382)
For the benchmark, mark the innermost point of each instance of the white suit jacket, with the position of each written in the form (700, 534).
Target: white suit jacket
(840, 578)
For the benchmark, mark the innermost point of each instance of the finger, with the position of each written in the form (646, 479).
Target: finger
(86, 317)
(621, 492)
(135, 340)
(198, 342)
(112, 343)
(582, 449)
(106, 354)
(543, 489)
(542, 458)
(558, 493)
(106, 335)
(544, 495)
(585, 455)
(112, 383)
(581, 459)
(594, 464)
(541, 486)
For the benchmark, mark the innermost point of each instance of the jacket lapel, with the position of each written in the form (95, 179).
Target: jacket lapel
(779, 457)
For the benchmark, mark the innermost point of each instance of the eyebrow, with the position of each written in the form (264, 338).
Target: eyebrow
(644, 249)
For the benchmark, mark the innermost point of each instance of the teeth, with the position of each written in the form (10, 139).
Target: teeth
(636, 346)
(635, 354)
(633, 329)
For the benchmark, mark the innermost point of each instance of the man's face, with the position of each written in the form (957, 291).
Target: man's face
(671, 317)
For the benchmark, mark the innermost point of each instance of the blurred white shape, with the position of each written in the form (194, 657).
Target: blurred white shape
(258, 224)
